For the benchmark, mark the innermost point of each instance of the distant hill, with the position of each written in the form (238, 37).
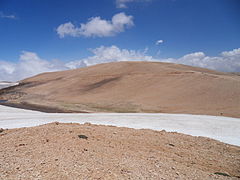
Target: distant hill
(132, 87)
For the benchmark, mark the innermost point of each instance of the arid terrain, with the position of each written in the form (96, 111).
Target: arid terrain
(130, 87)
(74, 151)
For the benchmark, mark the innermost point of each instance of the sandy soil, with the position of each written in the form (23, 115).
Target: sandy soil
(131, 87)
(56, 151)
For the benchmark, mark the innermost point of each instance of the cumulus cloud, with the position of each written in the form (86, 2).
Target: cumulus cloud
(123, 3)
(228, 61)
(97, 27)
(30, 63)
(234, 53)
(67, 29)
(2, 15)
(111, 54)
(159, 42)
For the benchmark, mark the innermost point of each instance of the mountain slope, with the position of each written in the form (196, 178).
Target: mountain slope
(132, 87)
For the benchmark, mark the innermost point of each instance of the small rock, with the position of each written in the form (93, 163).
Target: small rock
(171, 145)
(222, 174)
(87, 124)
(1, 130)
(125, 171)
(22, 145)
(81, 136)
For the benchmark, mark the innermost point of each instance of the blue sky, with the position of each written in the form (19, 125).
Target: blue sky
(185, 26)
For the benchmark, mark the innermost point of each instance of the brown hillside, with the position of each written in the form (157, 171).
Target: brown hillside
(132, 87)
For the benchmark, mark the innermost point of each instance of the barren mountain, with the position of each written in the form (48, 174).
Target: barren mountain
(74, 151)
(130, 87)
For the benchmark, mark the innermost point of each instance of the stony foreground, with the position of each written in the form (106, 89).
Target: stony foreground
(74, 151)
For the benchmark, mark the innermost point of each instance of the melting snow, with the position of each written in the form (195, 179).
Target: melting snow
(224, 129)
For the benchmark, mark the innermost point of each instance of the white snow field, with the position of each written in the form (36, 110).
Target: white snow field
(224, 129)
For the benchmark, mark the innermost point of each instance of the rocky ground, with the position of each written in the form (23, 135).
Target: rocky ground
(74, 151)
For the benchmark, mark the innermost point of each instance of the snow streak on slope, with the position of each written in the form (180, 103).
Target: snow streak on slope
(7, 84)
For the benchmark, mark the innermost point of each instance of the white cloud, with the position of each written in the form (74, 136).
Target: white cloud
(123, 3)
(234, 53)
(6, 70)
(97, 27)
(30, 63)
(159, 42)
(111, 54)
(67, 29)
(228, 61)
(2, 15)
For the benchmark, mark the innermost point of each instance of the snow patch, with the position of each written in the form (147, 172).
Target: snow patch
(221, 128)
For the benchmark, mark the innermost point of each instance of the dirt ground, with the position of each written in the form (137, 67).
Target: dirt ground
(74, 151)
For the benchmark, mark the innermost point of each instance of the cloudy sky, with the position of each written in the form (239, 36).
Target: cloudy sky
(49, 35)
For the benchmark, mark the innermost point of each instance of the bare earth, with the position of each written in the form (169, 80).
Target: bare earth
(130, 87)
(55, 151)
